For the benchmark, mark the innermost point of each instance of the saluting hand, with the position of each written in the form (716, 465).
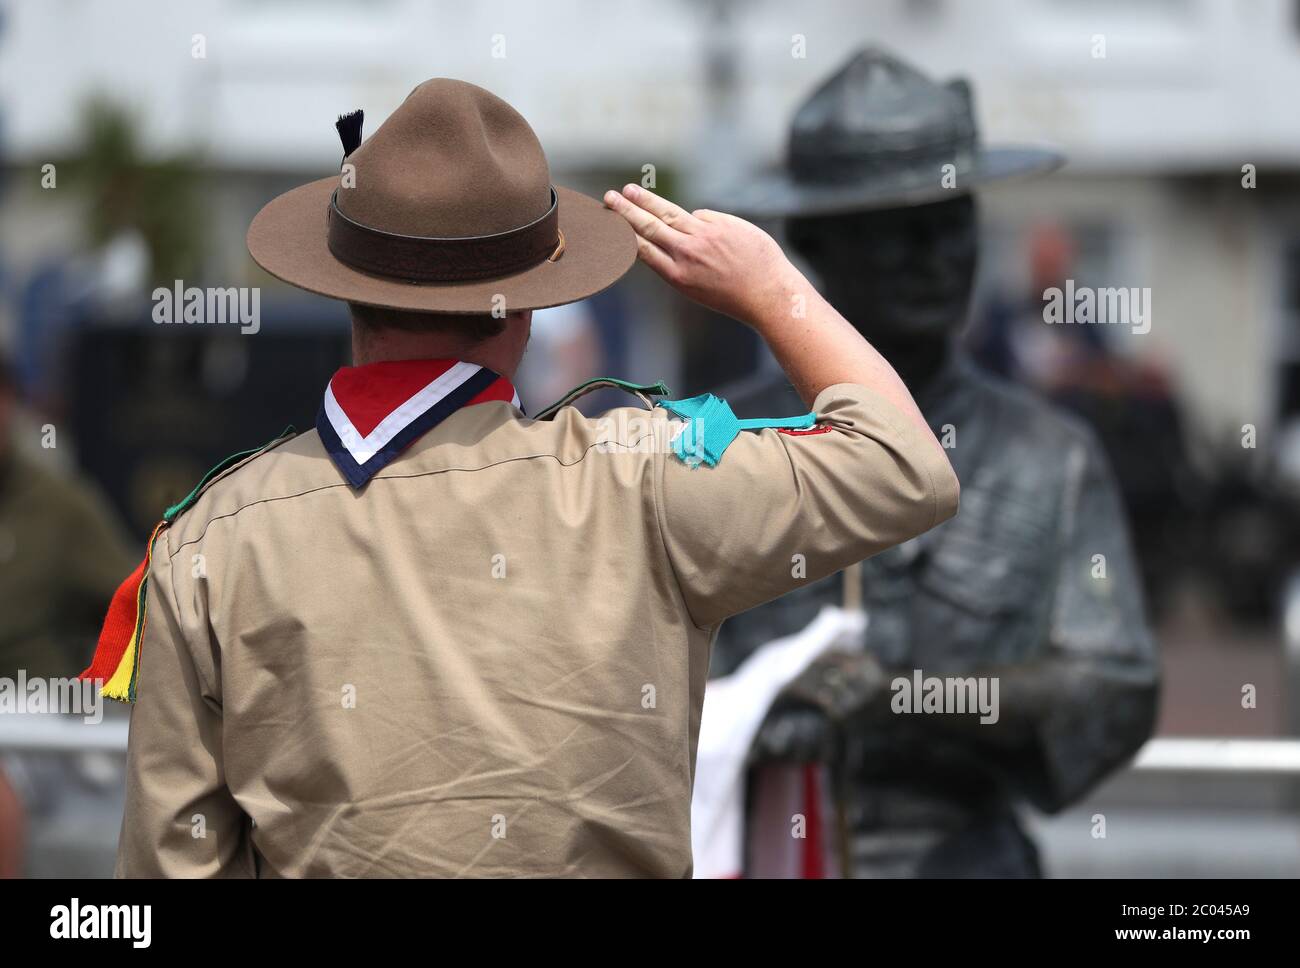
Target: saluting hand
(736, 268)
(718, 260)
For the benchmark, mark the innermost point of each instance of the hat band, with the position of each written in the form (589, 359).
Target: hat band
(820, 165)
(419, 258)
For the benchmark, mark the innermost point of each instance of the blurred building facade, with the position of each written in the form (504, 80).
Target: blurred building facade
(1158, 103)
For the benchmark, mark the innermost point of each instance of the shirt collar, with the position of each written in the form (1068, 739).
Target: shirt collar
(372, 413)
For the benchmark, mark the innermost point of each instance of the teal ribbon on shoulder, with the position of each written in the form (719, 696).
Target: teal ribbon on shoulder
(711, 426)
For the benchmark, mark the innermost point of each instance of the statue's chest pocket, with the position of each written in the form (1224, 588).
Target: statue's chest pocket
(984, 585)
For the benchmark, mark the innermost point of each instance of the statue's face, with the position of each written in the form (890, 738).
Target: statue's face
(896, 272)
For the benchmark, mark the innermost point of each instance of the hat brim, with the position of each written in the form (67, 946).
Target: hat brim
(777, 195)
(288, 240)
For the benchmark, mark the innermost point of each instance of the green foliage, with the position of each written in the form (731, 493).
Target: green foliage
(159, 197)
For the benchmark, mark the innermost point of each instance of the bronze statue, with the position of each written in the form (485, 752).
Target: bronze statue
(1032, 586)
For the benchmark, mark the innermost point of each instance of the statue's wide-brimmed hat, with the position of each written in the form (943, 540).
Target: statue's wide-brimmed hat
(879, 134)
(447, 208)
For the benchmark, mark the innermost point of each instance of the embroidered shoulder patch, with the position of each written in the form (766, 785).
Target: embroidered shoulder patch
(711, 426)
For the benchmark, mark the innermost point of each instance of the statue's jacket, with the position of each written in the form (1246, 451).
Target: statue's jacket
(1034, 583)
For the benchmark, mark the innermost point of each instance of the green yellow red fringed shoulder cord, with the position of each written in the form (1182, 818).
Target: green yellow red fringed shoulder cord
(116, 663)
(117, 654)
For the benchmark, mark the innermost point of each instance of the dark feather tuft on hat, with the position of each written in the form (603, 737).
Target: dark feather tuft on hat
(349, 128)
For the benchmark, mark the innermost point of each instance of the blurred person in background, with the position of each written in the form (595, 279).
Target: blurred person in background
(1129, 403)
(62, 553)
(1033, 585)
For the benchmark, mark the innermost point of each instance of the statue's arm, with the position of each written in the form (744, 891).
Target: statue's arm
(1062, 722)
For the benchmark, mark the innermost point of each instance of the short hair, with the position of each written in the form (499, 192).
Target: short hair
(474, 327)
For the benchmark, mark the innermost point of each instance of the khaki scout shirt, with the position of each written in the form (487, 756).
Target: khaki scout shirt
(490, 661)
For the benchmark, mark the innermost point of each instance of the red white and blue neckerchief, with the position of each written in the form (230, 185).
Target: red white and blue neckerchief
(372, 413)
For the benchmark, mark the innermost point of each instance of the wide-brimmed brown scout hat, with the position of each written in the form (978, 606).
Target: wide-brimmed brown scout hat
(447, 208)
(879, 134)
